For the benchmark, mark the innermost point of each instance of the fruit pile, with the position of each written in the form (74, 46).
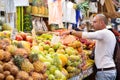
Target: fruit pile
(43, 60)
(15, 60)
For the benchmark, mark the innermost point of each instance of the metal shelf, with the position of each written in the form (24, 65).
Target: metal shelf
(39, 15)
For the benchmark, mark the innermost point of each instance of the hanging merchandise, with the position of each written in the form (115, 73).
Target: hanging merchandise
(2, 5)
(69, 14)
(55, 11)
(102, 2)
(39, 25)
(10, 10)
(10, 6)
(93, 7)
(83, 7)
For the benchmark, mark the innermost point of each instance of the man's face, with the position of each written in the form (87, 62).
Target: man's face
(96, 23)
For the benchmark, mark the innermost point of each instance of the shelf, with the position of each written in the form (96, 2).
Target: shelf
(38, 15)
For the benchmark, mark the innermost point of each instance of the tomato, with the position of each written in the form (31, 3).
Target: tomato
(18, 38)
(24, 35)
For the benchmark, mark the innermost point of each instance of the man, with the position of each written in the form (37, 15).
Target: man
(104, 48)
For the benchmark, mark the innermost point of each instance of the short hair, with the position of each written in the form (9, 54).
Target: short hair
(103, 18)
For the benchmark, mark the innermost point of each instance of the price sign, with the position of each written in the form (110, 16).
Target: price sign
(21, 2)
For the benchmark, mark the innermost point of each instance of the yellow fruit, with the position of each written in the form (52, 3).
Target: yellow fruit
(64, 59)
(64, 71)
(10, 48)
(34, 10)
(38, 66)
(27, 66)
(41, 48)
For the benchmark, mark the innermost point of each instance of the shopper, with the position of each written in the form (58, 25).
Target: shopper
(104, 48)
(82, 27)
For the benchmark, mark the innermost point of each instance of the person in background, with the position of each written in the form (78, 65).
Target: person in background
(104, 47)
(82, 27)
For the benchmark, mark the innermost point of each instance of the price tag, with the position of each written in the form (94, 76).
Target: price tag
(55, 39)
(13, 34)
(81, 75)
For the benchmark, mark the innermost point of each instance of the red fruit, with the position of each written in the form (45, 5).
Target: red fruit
(47, 42)
(18, 38)
(29, 39)
(23, 35)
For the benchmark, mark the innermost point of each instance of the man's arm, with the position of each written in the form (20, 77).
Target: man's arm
(76, 33)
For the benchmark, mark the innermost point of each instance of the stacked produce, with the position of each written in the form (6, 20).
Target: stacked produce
(15, 62)
(43, 60)
(39, 8)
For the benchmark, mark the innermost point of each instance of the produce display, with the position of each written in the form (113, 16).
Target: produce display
(40, 59)
(39, 8)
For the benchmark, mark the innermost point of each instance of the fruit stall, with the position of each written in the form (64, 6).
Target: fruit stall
(45, 56)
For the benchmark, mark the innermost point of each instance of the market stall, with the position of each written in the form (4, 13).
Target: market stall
(47, 56)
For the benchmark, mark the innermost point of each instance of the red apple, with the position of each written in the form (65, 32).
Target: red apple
(18, 38)
(23, 35)
(29, 39)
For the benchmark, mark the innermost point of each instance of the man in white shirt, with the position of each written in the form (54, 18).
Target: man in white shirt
(104, 48)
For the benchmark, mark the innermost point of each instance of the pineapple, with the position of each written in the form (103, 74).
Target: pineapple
(38, 65)
(18, 60)
(23, 63)
(33, 57)
(27, 66)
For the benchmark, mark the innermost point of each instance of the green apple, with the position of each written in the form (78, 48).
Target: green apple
(46, 46)
(48, 64)
(52, 69)
(51, 77)
(56, 46)
(35, 49)
(51, 50)
(60, 51)
(69, 50)
(42, 58)
(45, 51)
(58, 74)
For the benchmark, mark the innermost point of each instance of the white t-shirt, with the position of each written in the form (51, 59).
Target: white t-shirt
(104, 48)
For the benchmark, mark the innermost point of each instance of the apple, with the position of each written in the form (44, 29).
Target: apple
(18, 38)
(51, 77)
(29, 39)
(24, 35)
(47, 42)
(46, 46)
(51, 50)
(60, 51)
